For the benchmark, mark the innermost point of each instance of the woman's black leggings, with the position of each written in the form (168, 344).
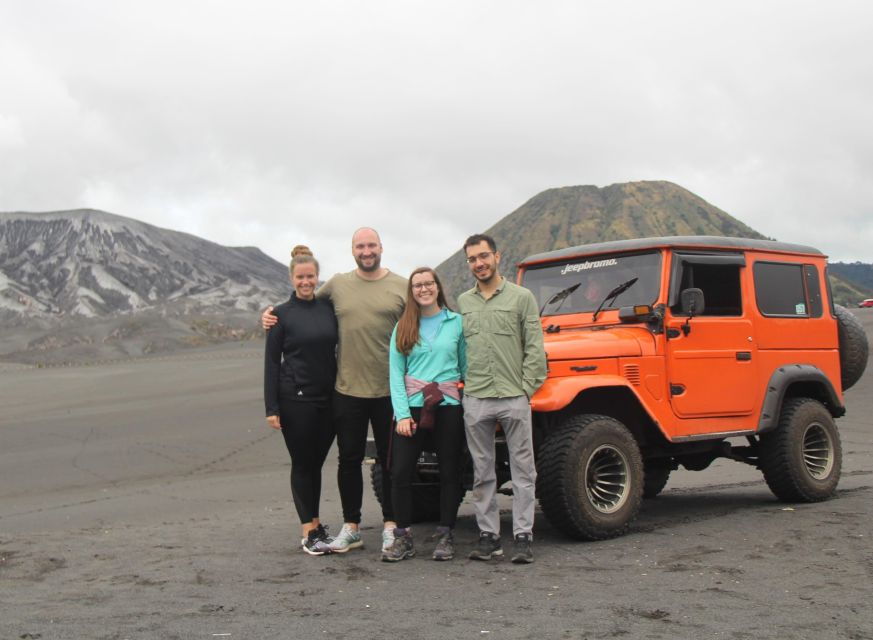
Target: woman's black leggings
(447, 440)
(308, 431)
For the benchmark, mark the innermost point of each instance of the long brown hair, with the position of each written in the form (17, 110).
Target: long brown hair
(407, 326)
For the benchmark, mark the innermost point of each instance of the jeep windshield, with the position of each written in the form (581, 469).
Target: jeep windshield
(581, 285)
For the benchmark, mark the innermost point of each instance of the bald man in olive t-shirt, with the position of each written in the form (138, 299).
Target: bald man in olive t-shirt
(366, 312)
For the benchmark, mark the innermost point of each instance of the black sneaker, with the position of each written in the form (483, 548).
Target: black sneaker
(400, 549)
(521, 553)
(323, 535)
(487, 548)
(445, 546)
(314, 543)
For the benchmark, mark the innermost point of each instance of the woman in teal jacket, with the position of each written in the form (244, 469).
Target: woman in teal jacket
(427, 360)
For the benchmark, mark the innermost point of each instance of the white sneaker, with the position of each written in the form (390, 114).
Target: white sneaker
(348, 538)
(387, 538)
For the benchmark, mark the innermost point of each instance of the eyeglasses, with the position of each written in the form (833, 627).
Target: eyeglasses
(427, 284)
(479, 256)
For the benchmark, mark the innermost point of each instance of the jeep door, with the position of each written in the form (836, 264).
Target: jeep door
(711, 357)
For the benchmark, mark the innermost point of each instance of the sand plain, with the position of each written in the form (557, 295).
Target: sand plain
(147, 499)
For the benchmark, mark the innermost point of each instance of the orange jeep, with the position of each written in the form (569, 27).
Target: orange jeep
(663, 351)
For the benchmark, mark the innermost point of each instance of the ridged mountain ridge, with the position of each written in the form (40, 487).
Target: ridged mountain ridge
(570, 216)
(91, 263)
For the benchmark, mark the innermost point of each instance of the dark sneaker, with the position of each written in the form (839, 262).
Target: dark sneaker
(400, 549)
(323, 535)
(521, 553)
(314, 544)
(445, 546)
(487, 548)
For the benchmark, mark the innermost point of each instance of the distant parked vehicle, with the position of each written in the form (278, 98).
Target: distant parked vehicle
(866, 303)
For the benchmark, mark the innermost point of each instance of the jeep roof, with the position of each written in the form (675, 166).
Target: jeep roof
(699, 242)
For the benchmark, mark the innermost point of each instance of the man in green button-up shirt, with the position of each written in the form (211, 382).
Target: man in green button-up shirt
(506, 364)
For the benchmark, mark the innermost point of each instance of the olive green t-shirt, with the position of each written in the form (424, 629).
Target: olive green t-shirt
(366, 312)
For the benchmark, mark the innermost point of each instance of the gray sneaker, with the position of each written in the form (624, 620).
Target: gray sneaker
(521, 553)
(347, 539)
(488, 547)
(445, 546)
(400, 549)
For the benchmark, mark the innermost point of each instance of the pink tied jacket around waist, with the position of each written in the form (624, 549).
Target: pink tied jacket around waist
(450, 388)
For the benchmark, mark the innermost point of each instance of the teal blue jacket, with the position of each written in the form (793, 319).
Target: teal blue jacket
(442, 360)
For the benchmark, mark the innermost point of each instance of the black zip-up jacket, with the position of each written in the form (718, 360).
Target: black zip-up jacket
(300, 356)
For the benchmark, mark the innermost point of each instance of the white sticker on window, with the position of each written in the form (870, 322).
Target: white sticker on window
(800, 309)
(584, 266)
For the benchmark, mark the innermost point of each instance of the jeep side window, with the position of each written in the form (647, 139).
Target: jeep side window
(720, 284)
(813, 290)
(830, 294)
(787, 290)
(716, 274)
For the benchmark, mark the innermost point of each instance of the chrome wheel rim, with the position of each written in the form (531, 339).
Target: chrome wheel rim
(818, 451)
(606, 479)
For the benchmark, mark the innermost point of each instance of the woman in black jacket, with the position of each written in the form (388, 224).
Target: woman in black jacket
(299, 376)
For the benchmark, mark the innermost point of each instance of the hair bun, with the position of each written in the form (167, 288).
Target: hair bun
(301, 250)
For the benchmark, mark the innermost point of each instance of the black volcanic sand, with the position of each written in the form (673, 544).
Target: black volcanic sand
(147, 499)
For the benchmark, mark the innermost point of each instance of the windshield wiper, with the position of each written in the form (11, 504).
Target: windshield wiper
(561, 295)
(612, 295)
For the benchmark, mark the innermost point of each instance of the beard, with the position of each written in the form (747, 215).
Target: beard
(486, 275)
(377, 263)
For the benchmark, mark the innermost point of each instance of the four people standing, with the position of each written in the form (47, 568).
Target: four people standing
(505, 364)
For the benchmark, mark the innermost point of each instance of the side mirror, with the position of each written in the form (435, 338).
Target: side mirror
(691, 301)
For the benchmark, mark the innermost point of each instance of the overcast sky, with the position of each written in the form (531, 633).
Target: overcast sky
(277, 123)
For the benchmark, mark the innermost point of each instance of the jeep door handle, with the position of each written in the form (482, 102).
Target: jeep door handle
(744, 356)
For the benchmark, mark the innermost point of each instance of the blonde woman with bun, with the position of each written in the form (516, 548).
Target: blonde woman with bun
(299, 377)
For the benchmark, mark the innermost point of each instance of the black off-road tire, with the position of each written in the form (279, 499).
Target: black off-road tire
(854, 349)
(802, 458)
(657, 473)
(577, 466)
(425, 497)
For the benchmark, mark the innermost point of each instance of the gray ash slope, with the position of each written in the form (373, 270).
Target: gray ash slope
(87, 263)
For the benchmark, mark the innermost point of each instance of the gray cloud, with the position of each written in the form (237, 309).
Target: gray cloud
(270, 124)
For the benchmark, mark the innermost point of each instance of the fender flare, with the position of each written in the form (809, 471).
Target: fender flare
(782, 378)
(557, 393)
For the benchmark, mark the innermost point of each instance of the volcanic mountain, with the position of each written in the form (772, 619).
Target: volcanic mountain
(571, 216)
(91, 263)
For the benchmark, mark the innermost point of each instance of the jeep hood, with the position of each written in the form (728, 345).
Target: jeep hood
(613, 342)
